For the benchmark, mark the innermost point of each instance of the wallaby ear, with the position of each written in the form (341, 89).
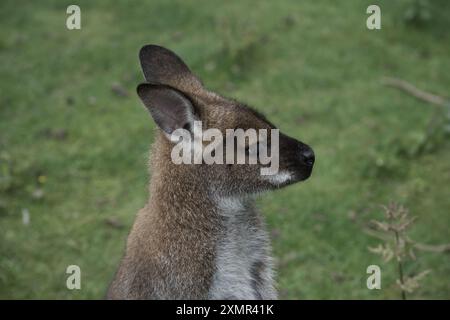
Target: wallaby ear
(162, 66)
(169, 108)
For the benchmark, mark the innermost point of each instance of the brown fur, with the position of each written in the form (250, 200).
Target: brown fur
(171, 248)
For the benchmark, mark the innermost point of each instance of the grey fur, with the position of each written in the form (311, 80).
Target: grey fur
(243, 262)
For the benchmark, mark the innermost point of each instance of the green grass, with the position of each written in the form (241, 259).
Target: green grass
(312, 67)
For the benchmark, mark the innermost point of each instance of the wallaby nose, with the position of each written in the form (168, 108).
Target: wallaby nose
(307, 155)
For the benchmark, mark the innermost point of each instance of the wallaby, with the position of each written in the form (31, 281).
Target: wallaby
(199, 236)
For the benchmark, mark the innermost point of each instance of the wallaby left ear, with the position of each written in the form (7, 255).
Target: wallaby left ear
(162, 66)
(169, 108)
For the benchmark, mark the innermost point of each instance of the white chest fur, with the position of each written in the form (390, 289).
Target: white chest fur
(243, 262)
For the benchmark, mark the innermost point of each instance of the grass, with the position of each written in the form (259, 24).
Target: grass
(74, 153)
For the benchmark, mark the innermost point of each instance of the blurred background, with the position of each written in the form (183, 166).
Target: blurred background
(74, 137)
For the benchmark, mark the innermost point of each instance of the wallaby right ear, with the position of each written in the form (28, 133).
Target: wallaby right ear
(169, 108)
(162, 66)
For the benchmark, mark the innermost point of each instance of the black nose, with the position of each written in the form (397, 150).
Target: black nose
(308, 157)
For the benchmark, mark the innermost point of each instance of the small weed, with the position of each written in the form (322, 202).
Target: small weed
(398, 245)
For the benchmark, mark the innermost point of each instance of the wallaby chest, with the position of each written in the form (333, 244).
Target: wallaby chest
(243, 265)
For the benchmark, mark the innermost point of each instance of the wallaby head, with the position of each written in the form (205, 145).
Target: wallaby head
(177, 99)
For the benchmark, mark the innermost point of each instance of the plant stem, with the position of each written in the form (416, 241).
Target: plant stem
(400, 266)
